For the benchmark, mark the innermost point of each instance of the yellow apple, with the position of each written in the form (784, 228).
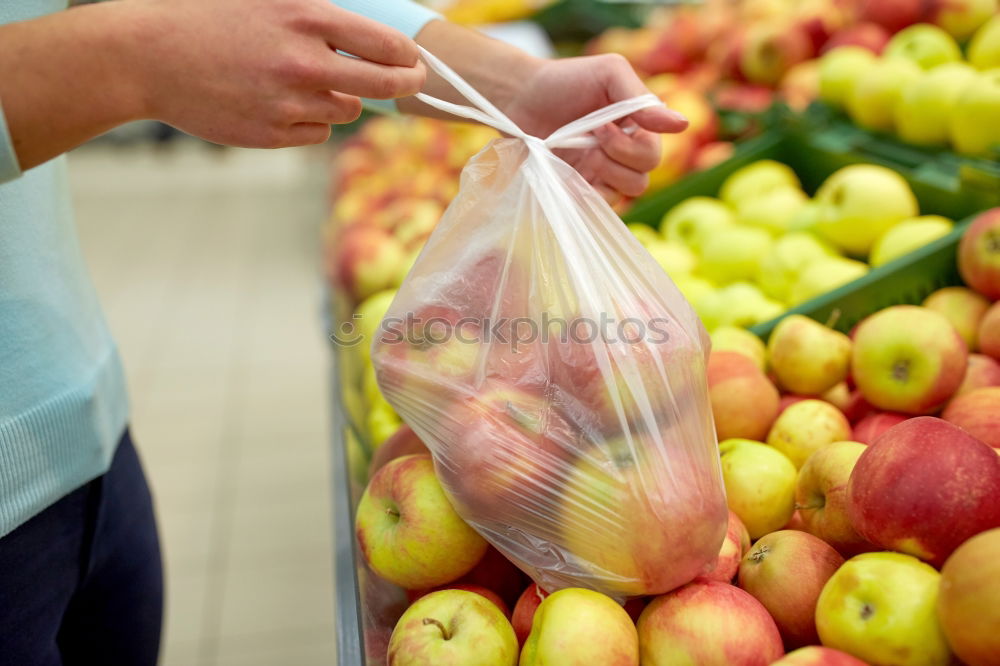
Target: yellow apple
(381, 421)
(964, 308)
(925, 107)
(675, 259)
(693, 220)
(973, 128)
(404, 267)
(839, 69)
(873, 98)
(367, 318)
(925, 44)
(743, 304)
(984, 49)
(824, 276)
(861, 202)
(961, 18)
(644, 233)
(740, 340)
(880, 607)
(756, 179)
(772, 211)
(578, 627)
(760, 485)
(734, 255)
(807, 426)
(907, 236)
(788, 257)
(806, 357)
(694, 288)
(821, 496)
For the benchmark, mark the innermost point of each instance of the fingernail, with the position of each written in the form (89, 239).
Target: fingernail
(677, 115)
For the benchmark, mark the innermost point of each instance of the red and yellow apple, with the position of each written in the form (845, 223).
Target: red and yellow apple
(366, 260)
(969, 603)
(983, 371)
(524, 611)
(963, 307)
(807, 426)
(807, 357)
(989, 332)
(817, 655)
(578, 627)
(740, 340)
(403, 442)
(871, 426)
(979, 254)
(760, 485)
(731, 378)
(821, 496)
(734, 546)
(977, 413)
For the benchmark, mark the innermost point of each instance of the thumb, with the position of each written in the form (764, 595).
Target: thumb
(621, 82)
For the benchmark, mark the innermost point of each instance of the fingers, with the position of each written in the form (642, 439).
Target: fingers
(307, 134)
(369, 39)
(598, 169)
(374, 80)
(621, 82)
(639, 151)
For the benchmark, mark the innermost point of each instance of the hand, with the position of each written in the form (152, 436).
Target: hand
(265, 73)
(560, 91)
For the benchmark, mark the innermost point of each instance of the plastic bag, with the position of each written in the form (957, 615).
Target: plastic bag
(556, 373)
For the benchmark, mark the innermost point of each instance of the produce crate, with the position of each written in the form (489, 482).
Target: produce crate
(946, 186)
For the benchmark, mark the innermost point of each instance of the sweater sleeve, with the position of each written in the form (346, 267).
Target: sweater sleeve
(9, 166)
(403, 15)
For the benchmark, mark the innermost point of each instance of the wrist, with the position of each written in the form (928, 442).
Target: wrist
(134, 31)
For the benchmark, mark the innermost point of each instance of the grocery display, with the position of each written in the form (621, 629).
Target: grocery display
(832, 217)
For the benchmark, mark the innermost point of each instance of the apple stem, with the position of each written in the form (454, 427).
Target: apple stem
(867, 611)
(444, 631)
(809, 507)
(389, 511)
(759, 554)
(834, 317)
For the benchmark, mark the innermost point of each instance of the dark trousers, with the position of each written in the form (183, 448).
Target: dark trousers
(82, 583)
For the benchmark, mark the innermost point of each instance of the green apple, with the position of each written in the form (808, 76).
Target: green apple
(880, 607)
(578, 627)
(961, 18)
(824, 276)
(740, 340)
(924, 109)
(693, 220)
(644, 233)
(973, 127)
(674, 258)
(907, 236)
(984, 49)
(756, 179)
(734, 254)
(807, 357)
(925, 44)
(772, 211)
(788, 257)
(873, 98)
(743, 304)
(807, 426)
(760, 485)
(452, 628)
(861, 202)
(694, 288)
(408, 531)
(839, 69)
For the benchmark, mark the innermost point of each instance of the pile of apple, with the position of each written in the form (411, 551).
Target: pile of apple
(392, 181)
(763, 245)
(921, 88)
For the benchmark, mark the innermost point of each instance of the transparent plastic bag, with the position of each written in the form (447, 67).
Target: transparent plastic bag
(556, 373)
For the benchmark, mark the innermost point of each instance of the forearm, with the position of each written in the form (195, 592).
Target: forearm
(68, 77)
(495, 69)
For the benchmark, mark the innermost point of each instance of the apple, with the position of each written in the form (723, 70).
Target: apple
(366, 258)
(969, 602)
(989, 332)
(578, 627)
(839, 69)
(806, 427)
(644, 233)
(979, 254)
(871, 426)
(971, 127)
(771, 49)
(859, 203)
(923, 487)
(874, 96)
(740, 304)
(823, 276)
(907, 359)
(880, 607)
(978, 413)
(408, 531)
(742, 341)
(402, 442)
(817, 655)
(524, 611)
(760, 485)
(925, 44)
(961, 18)
(984, 49)
(694, 289)
(785, 571)
(772, 211)
(676, 151)
(711, 154)
(907, 236)
(498, 574)
(788, 257)
(789, 399)
(924, 109)
(381, 422)
(674, 258)
(469, 587)
(807, 357)
(821, 496)
(736, 543)
(841, 397)
(406, 265)
(368, 316)
(961, 306)
(799, 86)
(869, 36)
(694, 220)
(731, 378)
(893, 15)
(707, 623)
(756, 179)
(452, 627)
(982, 372)
(734, 254)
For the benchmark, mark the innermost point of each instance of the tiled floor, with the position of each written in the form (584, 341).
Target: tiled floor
(208, 266)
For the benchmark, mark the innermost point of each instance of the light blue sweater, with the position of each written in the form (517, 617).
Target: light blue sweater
(63, 403)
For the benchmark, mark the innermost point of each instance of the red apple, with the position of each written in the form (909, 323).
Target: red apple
(821, 496)
(893, 15)
(366, 259)
(710, 154)
(815, 655)
(731, 378)
(401, 443)
(989, 332)
(866, 35)
(796, 522)
(771, 49)
(982, 371)
(789, 399)
(907, 359)
(923, 488)
(707, 622)
(736, 543)
(785, 571)
(978, 413)
(979, 254)
(819, 19)
(524, 611)
(495, 572)
(870, 427)
(468, 587)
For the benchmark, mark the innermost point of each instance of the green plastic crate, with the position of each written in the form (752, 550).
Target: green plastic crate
(816, 155)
